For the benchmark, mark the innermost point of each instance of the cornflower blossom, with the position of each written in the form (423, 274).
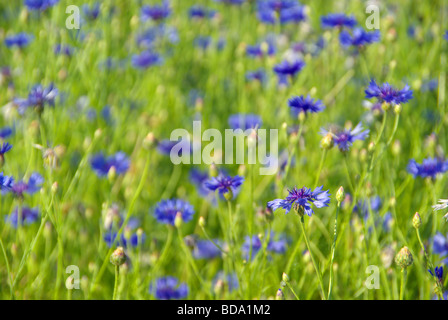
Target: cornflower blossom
(102, 165)
(387, 93)
(306, 105)
(168, 288)
(338, 20)
(301, 200)
(166, 210)
(344, 138)
(430, 167)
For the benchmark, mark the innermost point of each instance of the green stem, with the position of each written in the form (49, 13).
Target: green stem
(117, 273)
(321, 164)
(333, 249)
(292, 290)
(347, 172)
(7, 268)
(403, 282)
(319, 276)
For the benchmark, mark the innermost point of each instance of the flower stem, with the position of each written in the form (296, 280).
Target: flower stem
(117, 273)
(319, 276)
(322, 160)
(333, 249)
(292, 290)
(403, 282)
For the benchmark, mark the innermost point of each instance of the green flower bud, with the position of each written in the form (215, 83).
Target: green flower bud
(397, 108)
(327, 142)
(228, 195)
(404, 258)
(118, 257)
(340, 194)
(201, 222)
(213, 171)
(149, 141)
(416, 221)
(178, 220)
(285, 277)
(112, 174)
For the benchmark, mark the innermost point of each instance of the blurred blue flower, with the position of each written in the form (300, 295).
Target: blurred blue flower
(40, 5)
(20, 40)
(301, 200)
(102, 164)
(306, 105)
(91, 12)
(430, 167)
(146, 59)
(27, 216)
(387, 93)
(259, 50)
(156, 12)
(278, 246)
(38, 97)
(287, 68)
(438, 271)
(6, 182)
(5, 132)
(63, 49)
(198, 11)
(230, 281)
(198, 178)
(167, 288)
(338, 20)
(245, 121)
(19, 188)
(257, 75)
(166, 210)
(205, 249)
(359, 37)
(440, 246)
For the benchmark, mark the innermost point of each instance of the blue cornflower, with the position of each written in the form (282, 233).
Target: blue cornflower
(38, 97)
(287, 68)
(430, 167)
(146, 59)
(198, 11)
(6, 182)
(166, 211)
(245, 121)
(205, 249)
(19, 40)
(27, 216)
(156, 12)
(260, 50)
(102, 164)
(338, 20)
(19, 188)
(301, 200)
(359, 37)
(167, 288)
(40, 5)
(344, 138)
(387, 93)
(224, 184)
(132, 239)
(5, 132)
(91, 12)
(257, 75)
(440, 246)
(445, 35)
(438, 271)
(149, 37)
(3, 149)
(283, 11)
(305, 105)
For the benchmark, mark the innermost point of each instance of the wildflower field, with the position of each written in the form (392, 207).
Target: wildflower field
(101, 200)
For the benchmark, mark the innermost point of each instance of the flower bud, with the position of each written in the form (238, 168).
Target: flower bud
(201, 222)
(340, 194)
(404, 258)
(178, 220)
(285, 277)
(112, 174)
(397, 108)
(149, 141)
(118, 257)
(228, 195)
(416, 221)
(279, 295)
(213, 170)
(327, 142)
